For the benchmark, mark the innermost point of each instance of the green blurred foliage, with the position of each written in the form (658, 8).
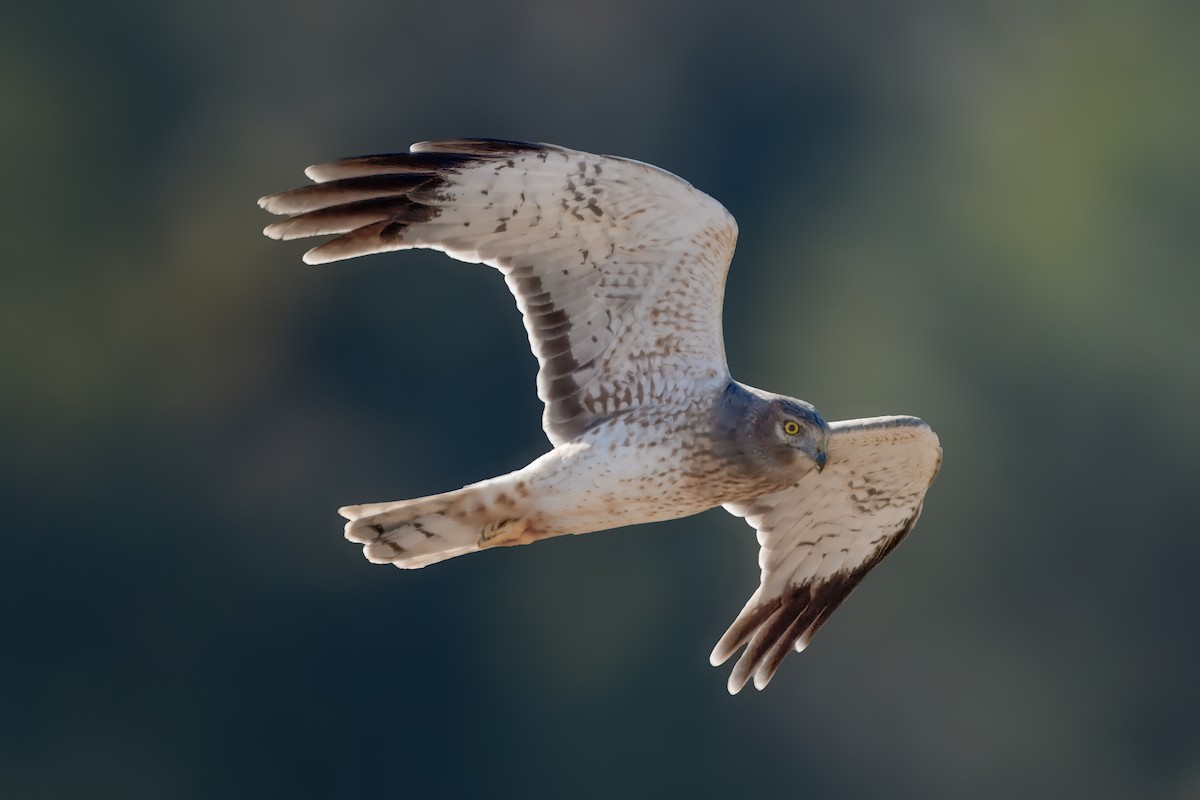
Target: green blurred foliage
(983, 213)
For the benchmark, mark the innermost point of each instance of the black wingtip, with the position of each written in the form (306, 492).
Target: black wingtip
(427, 163)
(479, 147)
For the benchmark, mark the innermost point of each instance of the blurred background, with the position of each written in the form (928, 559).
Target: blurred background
(982, 213)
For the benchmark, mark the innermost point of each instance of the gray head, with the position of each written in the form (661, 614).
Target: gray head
(771, 432)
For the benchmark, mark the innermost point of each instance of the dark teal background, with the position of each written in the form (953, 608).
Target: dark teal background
(982, 213)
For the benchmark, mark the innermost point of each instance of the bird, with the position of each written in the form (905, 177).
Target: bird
(618, 269)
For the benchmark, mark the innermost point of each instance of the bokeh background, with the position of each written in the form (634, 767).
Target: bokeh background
(983, 213)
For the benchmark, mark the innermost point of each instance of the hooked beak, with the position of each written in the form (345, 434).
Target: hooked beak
(816, 440)
(820, 447)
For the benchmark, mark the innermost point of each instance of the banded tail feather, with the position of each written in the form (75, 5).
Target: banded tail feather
(416, 533)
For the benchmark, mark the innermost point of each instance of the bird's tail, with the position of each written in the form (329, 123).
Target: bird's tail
(415, 533)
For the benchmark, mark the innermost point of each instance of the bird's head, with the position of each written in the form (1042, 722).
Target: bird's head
(796, 433)
(770, 435)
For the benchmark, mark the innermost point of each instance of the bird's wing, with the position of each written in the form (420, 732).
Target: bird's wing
(820, 536)
(618, 267)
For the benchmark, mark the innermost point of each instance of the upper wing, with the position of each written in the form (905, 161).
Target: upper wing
(618, 267)
(822, 535)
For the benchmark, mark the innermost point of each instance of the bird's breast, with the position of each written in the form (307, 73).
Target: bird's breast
(648, 467)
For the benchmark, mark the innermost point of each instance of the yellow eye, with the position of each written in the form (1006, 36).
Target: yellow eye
(791, 427)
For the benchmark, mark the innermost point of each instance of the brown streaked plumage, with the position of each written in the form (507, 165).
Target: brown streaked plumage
(618, 269)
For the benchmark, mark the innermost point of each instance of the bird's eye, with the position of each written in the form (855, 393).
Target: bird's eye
(791, 427)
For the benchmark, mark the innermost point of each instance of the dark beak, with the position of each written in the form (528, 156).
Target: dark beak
(816, 449)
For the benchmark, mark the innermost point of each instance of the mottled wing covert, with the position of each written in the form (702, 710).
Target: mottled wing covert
(618, 267)
(820, 537)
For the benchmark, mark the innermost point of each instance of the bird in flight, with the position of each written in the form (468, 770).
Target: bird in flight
(618, 269)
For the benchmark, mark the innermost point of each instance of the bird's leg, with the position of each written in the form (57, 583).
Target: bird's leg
(508, 533)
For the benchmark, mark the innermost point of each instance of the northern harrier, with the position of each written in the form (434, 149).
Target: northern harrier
(619, 270)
